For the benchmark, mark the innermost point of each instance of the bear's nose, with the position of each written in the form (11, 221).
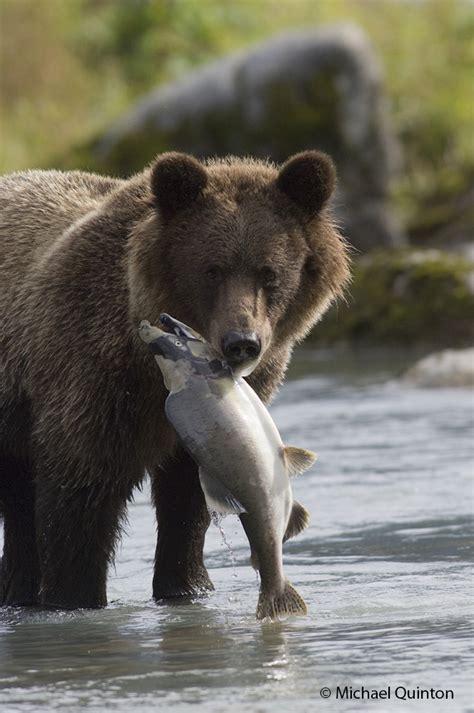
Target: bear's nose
(238, 347)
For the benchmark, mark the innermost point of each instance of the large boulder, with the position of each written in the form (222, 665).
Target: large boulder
(312, 89)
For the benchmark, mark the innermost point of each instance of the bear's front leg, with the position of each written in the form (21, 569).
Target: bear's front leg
(183, 520)
(77, 529)
(19, 567)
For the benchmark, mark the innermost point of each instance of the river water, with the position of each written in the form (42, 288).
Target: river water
(384, 568)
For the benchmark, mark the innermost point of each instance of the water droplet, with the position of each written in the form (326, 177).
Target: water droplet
(216, 519)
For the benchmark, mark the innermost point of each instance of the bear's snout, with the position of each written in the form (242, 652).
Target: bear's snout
(240, 347)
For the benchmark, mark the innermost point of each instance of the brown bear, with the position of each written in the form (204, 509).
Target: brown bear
(244, 252)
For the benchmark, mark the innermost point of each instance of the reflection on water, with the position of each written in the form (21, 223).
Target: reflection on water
(384, 568)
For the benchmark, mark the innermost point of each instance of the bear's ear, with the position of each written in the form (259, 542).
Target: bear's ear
(177, 180)
(309, 179)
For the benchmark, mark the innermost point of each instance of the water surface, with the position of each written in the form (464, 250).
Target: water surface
(384, 568)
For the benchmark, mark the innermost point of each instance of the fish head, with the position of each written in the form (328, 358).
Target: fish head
(179, 355)
(174, 326)
(240, 367)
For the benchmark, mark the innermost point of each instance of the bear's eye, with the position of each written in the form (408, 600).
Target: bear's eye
(214, 273)
(267, 276)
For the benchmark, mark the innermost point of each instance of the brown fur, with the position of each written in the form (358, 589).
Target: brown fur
(83, 259)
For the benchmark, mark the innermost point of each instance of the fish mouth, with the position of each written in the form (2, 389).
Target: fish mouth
(148, 333)
(156, 339)
(166, 323)
(174, 326)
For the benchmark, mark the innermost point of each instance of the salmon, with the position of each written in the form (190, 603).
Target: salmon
(244, 467)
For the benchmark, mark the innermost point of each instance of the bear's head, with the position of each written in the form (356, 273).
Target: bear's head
(245, 253)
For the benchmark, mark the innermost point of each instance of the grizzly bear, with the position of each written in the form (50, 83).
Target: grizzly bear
(244, 252)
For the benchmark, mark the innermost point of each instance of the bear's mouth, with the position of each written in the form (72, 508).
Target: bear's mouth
(241, 352)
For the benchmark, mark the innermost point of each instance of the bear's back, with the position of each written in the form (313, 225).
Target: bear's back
(36, 207)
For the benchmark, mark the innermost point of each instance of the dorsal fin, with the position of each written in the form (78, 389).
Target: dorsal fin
(299, 520)
(297, 460)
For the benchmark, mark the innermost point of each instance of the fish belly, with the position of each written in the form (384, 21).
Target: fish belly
(224, 433)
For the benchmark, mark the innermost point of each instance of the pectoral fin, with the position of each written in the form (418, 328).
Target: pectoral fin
(297, 460)
(218, 498)
(299, 520)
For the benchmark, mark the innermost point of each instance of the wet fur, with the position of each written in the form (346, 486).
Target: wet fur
(82, 260)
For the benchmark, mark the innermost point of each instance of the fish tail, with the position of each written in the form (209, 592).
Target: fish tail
(289, 602)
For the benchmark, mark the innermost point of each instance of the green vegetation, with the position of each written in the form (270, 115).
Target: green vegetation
(68, 68)
(408, 298)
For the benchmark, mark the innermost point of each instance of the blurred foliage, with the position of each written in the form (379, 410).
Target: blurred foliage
(69, 67)
(408, 297)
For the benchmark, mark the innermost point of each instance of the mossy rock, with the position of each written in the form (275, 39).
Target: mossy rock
(405, 298)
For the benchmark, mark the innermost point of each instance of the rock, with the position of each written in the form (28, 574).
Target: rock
(446, 221)
(451, 367)
(305, 89)
(409, 297)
